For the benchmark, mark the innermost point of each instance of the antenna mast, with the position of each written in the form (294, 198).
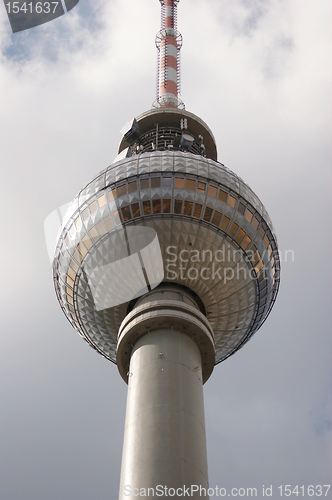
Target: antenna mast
(169, 43)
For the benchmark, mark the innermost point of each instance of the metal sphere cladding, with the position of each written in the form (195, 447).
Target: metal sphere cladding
(167, 215)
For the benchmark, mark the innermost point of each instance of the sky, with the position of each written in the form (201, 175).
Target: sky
(259, 73)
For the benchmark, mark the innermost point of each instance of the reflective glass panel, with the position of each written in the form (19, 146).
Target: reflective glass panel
(187, 207)
(241, 208)
(117, 219)
(224, 223)
(166, 206)
(122, 190)
(93, 207)
(101, 228)
(147, 207)
(156, 206)
(239, 235)
(179, 182)
(255, 223)
(126, 213)
(69, 291)
(266, 241)
(222, 196)
(190, 184)
(259, 266)
(261, 232)
(82, 249)
(87, 242)
(178, 206)
(102, 200)
(216, 218)
(70, 282)
(213, 191)
(145, 184)
(94, 234)
(231, 201)
(77, 256)
(155, 182)
(249, 215)
(208, 214)
(136, 210)
(112, 194)
(255, 259)
(246, 242)
(167, 181)
(132, 187)
(78, 223)
(234, 227)
(201, 187)
(86, 214)
(197, 210)
(108, 222)
(73, 265)
(71, 274)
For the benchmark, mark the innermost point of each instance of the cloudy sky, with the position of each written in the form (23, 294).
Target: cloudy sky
(259, 73)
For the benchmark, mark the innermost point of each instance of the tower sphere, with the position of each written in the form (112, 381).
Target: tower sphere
(167, 211)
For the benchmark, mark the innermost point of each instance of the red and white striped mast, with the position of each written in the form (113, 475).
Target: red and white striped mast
(169, 43)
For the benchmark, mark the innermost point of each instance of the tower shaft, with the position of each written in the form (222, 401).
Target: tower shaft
(165, 443)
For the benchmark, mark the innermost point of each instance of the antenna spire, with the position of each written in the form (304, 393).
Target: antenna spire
(169, 43)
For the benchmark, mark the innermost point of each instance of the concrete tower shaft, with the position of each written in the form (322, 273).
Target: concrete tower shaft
(169, 43)
(164, 442)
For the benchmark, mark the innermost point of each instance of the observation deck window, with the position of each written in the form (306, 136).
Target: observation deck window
(213, 191)
(147, 207)
(167, 182)
(222, 195)
(132, 187)
(191, 184)
(201, 187)
(145, 184)
(179, 183)
(155, 182)
(231, 201)
(102, 201)
(167, 206)
(136, 210)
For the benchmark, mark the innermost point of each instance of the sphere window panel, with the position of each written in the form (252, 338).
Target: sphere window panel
(201, 187)
(155, 182)
(197, 211)
(187, 208)
(132, 187)
(179, 183)
(255, 223)
(191, 184)
(156, 205)
(213, 191)
(145, 184)
(102, 201)
(167, 182)
(224, 223)
(166, 206)
(231, 201)
(136, 210)
(249, 215)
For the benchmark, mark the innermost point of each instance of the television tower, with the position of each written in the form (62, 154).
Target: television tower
(167, 264)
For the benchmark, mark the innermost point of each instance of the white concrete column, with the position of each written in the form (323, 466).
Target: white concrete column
(164, 442)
